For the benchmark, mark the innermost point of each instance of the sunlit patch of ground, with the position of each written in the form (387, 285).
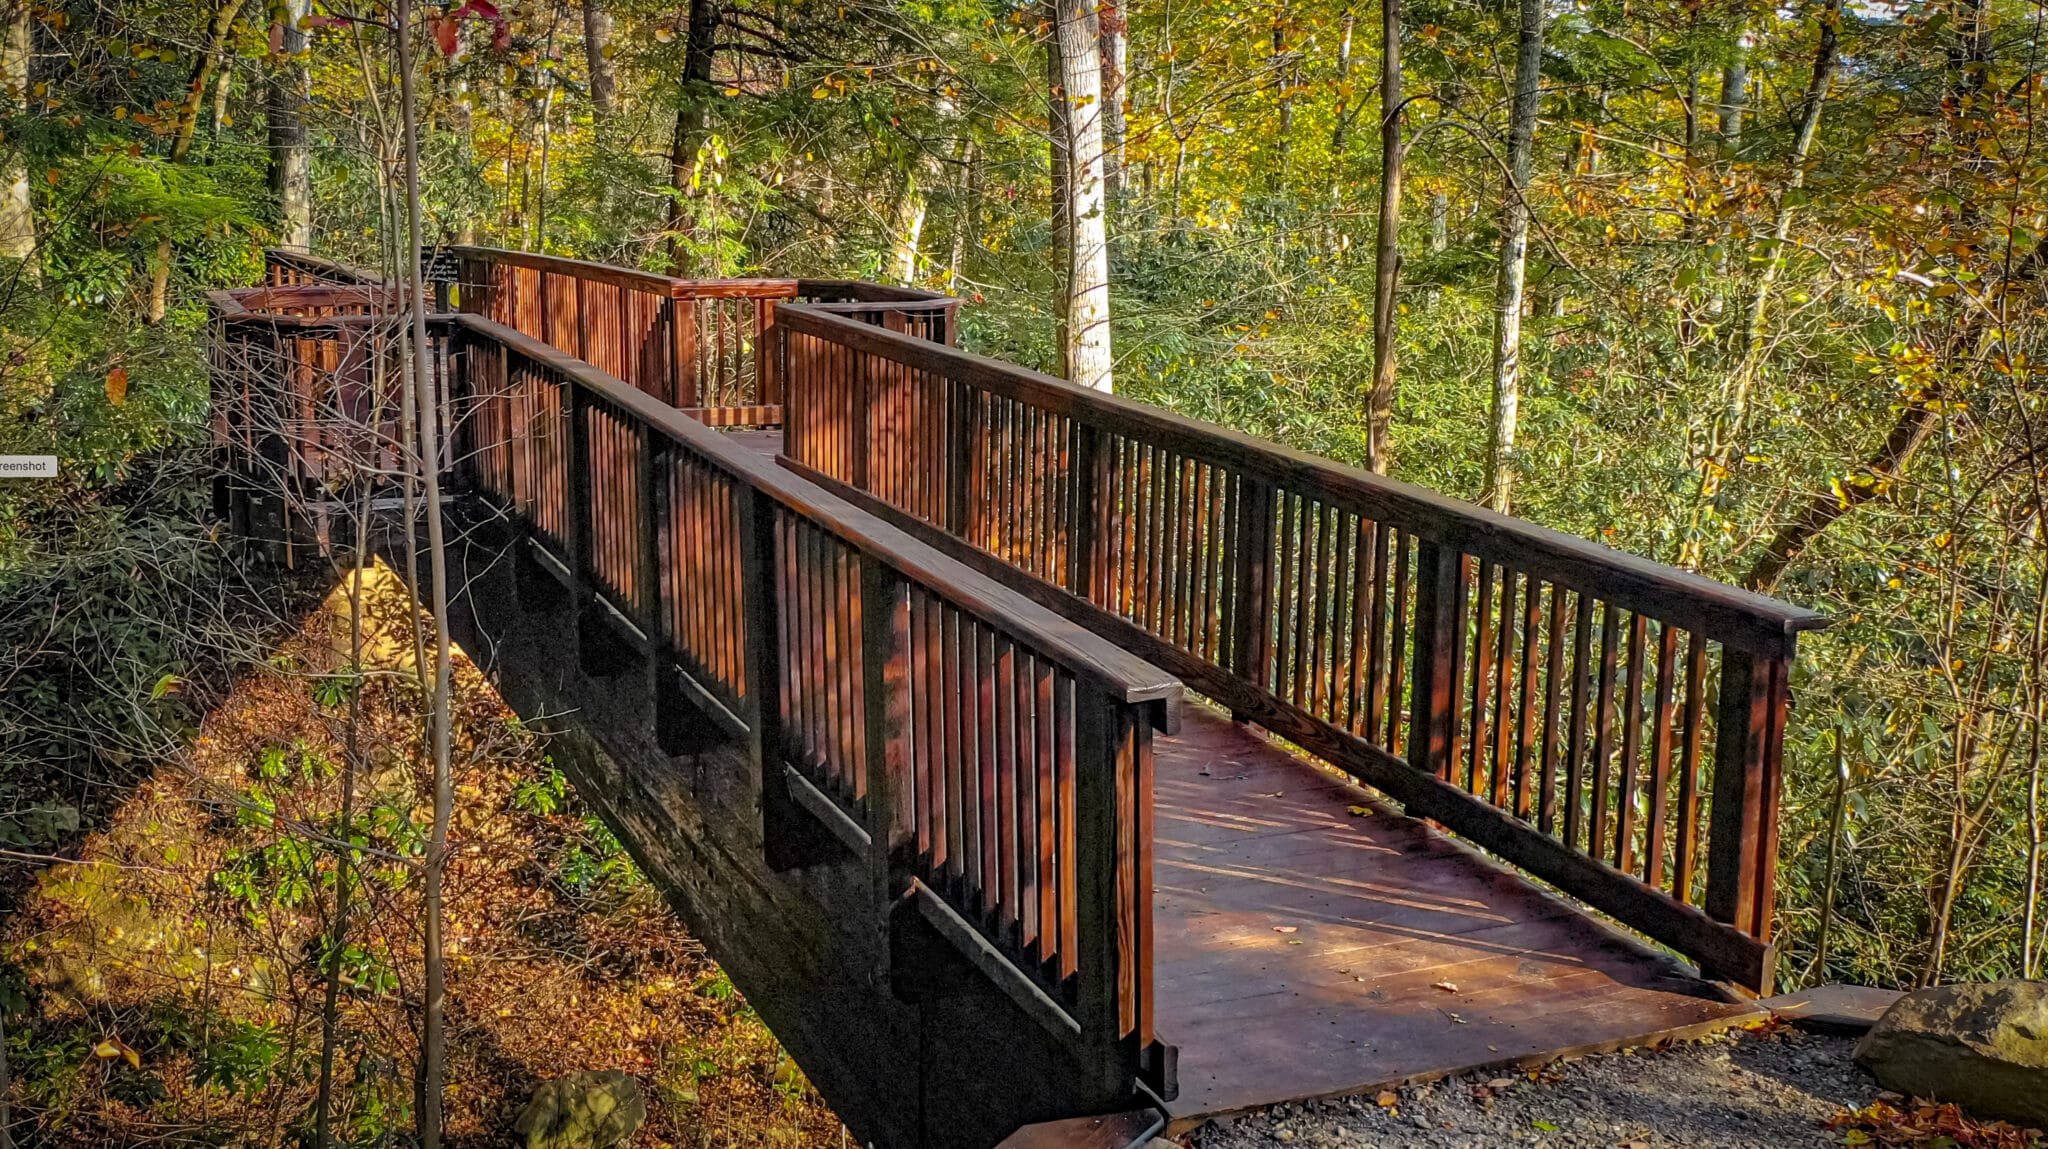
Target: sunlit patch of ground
(166, 989)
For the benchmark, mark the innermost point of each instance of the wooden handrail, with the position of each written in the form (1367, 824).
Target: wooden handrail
(1125, 675)
(697, 344)
(285, 268)
(1542, 695)
(990, 759)
(1729, 613)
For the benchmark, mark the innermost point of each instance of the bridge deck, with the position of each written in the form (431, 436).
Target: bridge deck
(1304, 950)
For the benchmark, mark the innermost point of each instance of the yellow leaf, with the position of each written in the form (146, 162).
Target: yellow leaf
(1386, 1099)
(117, 386)
(114, 1047)
(664, 35)
(1360, 811)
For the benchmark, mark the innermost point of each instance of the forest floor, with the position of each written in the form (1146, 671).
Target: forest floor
(163, 985)
(1765, 1088)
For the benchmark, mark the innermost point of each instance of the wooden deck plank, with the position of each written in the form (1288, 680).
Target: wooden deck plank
(1302, 947)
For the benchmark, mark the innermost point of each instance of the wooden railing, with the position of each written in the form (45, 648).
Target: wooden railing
(1612, 726)
(989, 760)
(306, 383)
(695, 344)
(286, 268)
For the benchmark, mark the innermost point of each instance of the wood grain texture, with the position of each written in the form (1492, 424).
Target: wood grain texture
(1379, 912)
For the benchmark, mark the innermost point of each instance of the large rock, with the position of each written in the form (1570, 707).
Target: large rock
(1982, 1046)
(582, 1111)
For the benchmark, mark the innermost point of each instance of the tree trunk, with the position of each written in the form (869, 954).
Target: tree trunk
(967, 217)
(185, 127)
(906, 229)
(433, 1035)
(1734, 100)
(1439, 221)
(1869, 481)
(1115, 48)
(1059, 160)
(1088, 350)
(597, 38)
(1340, 129)
(1514, 259)
(693, 120)
(1387, 251)
(1726, 429)
(291, 160)
(17, 215)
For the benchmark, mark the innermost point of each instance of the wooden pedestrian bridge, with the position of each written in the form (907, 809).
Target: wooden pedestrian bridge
(1026, 753)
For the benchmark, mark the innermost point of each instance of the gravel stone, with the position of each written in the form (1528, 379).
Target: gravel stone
(1740, 1090)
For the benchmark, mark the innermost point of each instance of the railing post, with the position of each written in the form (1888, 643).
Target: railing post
(885, 672)
(1251, 600)
(1439, 647)
(576, 489)
(767, 355)
(683, 324)
(650, 477)
(860, 420)
(760, 648)
(1742, 853)
(1099, 736)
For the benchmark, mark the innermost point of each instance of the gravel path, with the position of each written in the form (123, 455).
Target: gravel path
(1732, 1091)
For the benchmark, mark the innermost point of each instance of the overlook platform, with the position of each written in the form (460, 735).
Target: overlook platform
(1024, 753)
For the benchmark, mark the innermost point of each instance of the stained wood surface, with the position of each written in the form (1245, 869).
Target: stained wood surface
(1380, 913)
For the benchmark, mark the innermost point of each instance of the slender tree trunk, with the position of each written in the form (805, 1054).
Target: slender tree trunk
(1734, 100)
(1439, 221)
(1088, 349)
(17, 216)
(291, 160)
(906, 229)
(344, 867)
(597, 38)
(1387, 251)
(433, 1038)
(967, 220)
(1726, 429)
(1060, 163)
(1514, 259)
(1874, 478)
(185, 127)
(1340, 130)
(1115, 49)
(1802, 147)
(693, 120)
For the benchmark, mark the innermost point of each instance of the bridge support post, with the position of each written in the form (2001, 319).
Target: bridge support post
(1742, 846)
(1439, 654)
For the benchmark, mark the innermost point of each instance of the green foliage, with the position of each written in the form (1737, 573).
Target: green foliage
(244, 1058)
(543, 796)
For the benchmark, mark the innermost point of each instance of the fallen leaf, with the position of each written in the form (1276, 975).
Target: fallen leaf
(1545, 1126)
(1447, 986)
(117, 386)
(1500, 1083)
(1386, 1099)
(1360, 811)
(114, 1047)
(1285, 929)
